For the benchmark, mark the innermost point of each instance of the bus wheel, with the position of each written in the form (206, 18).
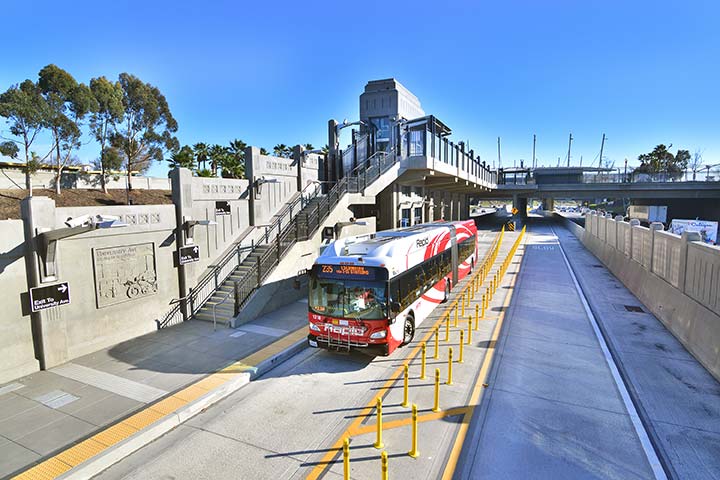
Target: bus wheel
(409, 329)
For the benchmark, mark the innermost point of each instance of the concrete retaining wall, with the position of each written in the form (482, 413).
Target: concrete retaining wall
(13, 179)
(677, 278)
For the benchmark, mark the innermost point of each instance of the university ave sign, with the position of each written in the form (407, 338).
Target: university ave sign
(49, 296)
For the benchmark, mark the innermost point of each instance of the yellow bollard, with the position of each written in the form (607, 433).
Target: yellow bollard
(436, 406)
(437, 343)
(447, 328)
(469, 339)
(462, 341)
(462, 302)
(346, 459)
(378, 441)
(456, 314)
(483, 305)
(422, 365)
(477, 316)
(414, 450)
(384, 465)
(405, 387)
(450, 360)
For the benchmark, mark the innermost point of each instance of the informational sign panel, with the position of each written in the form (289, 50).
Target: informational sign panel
(222, 208)
(189, 254)
(707, 230)
(49, 296)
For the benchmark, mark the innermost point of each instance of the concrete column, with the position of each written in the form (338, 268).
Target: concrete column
(395, 205)
(252, 157)
(333, 163)
(633, 223)
(521, 204)
(618, 219)
(38, 215)
(298, 159)
(686, 238)
(548, 204)
(180, 181)
(655, 226)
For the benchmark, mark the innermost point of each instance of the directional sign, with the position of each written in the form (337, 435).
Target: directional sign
(222, 208)
(49, 296)
(189, 254)
(514, 211)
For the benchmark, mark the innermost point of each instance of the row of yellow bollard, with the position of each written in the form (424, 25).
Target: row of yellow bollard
(471, 288)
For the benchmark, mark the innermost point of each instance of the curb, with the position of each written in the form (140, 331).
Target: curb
(125, 448)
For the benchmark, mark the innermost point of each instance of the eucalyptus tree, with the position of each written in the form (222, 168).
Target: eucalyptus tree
(26, 112)
(68, 103)
(110, 162)
(103, 121)
(147, 128)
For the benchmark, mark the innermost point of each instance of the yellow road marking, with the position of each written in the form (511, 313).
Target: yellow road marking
(368, 428)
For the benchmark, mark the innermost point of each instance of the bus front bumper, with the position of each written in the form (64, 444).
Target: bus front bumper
(343, 345)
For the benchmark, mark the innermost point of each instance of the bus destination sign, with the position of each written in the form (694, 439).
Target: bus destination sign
(355, 272)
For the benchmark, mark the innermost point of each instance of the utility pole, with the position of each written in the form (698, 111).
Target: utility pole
(569, 145)
(581, 160)
(534, 140)
(625, 176)
(499, 158)
(602, 147)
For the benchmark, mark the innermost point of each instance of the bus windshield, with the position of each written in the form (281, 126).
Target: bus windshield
(348, 298)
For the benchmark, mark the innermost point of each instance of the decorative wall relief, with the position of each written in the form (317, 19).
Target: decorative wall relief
(124, 273)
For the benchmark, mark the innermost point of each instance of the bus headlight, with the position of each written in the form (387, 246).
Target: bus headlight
(314, 327)
(380, 334)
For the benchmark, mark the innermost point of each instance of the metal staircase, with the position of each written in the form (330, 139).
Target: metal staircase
(221, 294)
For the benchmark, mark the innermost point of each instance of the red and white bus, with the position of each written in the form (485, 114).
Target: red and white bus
(370, 292)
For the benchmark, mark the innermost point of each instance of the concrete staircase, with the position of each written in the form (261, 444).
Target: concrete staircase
(223, 300)
(276, 243)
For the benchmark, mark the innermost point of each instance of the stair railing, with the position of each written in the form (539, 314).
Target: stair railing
(296, 222)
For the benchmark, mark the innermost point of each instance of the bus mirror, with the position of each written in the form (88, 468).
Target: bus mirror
(395, 307)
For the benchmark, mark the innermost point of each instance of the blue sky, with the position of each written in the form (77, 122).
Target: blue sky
(642, 72)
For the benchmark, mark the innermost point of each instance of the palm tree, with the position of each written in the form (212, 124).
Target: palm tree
(280, 150)
(308, 146)
(217, 155)
(201, 154)
(263, 151)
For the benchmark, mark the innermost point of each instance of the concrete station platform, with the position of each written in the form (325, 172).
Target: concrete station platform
(46, 412)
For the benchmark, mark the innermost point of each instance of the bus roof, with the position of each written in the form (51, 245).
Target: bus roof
(388, 248)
